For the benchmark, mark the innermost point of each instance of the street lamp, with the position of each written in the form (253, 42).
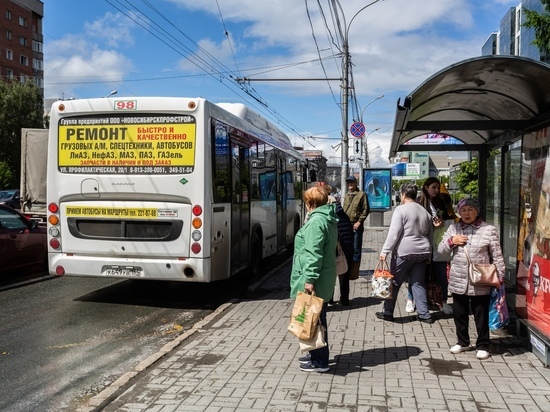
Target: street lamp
(111, 94)
(366, 157)
(368, 104)
(345, 97)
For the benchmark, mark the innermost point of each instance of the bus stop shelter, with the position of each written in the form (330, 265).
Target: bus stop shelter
(499, 108)
(484, 102)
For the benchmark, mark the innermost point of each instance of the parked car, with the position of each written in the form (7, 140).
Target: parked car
(23, 243)
(10, 197)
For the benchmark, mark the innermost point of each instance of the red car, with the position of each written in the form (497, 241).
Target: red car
(22, 241)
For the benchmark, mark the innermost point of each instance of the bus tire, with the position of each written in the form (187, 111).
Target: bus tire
(255, 258)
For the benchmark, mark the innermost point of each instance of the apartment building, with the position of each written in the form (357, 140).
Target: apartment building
(21, 41)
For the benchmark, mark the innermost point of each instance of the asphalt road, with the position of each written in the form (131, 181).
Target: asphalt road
(65, 339)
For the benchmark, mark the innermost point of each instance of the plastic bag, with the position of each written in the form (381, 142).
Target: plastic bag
(382, 281)
(318, 340)
(498, 309)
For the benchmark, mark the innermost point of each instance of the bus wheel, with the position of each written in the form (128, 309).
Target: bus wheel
(255, 258)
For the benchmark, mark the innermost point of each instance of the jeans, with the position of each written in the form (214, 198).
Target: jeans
(440, 274)
(415, 270)
(319, 357)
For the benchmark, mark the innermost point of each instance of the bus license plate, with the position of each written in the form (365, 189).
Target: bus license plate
(124, 271)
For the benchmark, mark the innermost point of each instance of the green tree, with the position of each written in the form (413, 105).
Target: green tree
(540, 23)
(467, 177)
(21, 105)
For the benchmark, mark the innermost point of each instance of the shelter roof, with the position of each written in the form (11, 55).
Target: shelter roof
(475, 100)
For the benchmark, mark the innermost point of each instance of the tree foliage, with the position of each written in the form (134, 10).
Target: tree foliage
(540, 23)
(466, 177)
(21, 105)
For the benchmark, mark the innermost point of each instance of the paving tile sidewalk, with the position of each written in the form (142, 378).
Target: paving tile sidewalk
(244, 360)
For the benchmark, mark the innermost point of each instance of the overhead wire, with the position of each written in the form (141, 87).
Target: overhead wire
(318, 50)
(227, 35)
(248, 90)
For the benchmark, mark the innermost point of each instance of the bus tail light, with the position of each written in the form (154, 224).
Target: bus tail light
(197, 223)
(54, 243)
(53, 208)
(53, 220)
(59, 270)
(197, 210)
(195, 248)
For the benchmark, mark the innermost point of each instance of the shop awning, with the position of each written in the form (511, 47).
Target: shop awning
(476, 100)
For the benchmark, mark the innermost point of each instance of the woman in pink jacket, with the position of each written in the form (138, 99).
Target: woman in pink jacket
(483, 245)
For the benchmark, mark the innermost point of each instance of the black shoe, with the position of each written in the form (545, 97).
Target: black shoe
(428, 320)
(344, 302)
(382, 315)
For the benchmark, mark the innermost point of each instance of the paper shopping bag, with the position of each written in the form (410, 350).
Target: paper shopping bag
(318, 340)
(305, 315)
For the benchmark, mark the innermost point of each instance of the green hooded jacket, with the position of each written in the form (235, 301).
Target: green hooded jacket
(314, 258)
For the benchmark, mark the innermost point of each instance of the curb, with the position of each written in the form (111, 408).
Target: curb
(102, 399)
(107, 395)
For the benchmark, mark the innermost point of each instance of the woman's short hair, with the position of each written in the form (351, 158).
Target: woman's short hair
(315, 196)
(409, 190)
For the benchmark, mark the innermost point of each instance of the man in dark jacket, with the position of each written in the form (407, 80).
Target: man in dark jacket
(356, 206)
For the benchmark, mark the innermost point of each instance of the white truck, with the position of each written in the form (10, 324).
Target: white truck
(34, 156)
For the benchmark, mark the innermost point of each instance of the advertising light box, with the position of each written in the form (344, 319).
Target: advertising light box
(377, 186)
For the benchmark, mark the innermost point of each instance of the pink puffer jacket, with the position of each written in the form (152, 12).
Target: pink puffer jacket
(483, 247)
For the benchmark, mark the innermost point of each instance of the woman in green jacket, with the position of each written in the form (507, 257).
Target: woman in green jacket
(314, 264)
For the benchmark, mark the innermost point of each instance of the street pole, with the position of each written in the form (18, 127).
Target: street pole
(345, 96)
(344, 148)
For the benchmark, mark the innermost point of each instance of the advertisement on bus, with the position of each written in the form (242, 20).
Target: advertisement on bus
(127, 144)
(377, 186)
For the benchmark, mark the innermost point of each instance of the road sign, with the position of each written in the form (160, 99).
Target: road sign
(357, 129)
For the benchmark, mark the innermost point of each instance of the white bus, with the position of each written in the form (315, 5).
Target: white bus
(168, 188)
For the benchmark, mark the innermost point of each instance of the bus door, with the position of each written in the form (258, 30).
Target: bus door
(240, 206)
(281, 204)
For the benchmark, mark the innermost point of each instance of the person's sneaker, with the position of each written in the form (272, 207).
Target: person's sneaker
(410, 308)
(382, 315)
(482, 354)
(310, 367)
(447, 309)
(305, 359)
(458, 349)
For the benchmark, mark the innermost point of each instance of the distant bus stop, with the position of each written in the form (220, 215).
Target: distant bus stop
(499, 108)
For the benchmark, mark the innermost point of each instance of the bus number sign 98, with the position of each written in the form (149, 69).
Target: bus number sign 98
(125, 104)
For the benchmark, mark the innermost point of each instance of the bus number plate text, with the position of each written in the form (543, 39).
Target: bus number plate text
(124, 271)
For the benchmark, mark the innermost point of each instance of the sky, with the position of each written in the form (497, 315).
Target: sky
(204, 47)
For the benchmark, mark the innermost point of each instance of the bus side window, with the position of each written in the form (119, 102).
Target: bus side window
(220, 164)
